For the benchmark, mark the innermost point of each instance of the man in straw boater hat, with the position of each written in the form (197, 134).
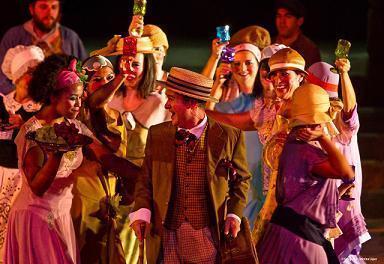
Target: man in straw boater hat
(181, 192)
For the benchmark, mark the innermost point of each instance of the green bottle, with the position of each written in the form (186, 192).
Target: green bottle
(139, 10)
(139, 7)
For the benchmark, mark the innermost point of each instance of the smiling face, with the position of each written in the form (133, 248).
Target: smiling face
(68, 103)
(244, 68)
(102, 76)
(45, 14)
(134, 68)
(182, 112)
(285, 82)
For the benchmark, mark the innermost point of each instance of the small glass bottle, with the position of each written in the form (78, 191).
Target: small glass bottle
(341, 51)
(139, 10)
(222, 33)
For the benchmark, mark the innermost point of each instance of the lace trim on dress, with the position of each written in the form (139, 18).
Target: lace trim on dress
(11, 105)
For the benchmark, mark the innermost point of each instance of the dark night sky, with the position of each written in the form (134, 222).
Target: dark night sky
(326, 19)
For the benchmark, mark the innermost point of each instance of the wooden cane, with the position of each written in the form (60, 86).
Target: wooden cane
(141, 243)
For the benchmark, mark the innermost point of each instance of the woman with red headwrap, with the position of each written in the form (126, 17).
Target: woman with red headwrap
(40, 228)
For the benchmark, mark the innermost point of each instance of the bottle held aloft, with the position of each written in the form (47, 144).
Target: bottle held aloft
(222, 33)
(139, 7)
(139, 10)
(227, 56)
(342, 49)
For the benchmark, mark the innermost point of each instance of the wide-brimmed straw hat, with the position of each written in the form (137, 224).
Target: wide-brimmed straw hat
(310, 105)
(126, 46)
(157, 36)
(320, 74)
(288, 59)
(190, 84)
(255, 35)
(19, 59)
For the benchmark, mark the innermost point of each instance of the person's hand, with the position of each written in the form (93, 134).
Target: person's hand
(223, 71)
(343, 65)
(15, 121)
(136, 27)
(217, 47)
(51, 153)
(309, 134)
(137, 226)
(218, 88)
(346, 189)
(231, 227)
(110, 48)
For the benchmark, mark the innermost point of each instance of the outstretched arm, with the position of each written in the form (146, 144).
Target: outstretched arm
(242, 121)
(219, 90)
(100, 97)
(210, 67)
(348, 93)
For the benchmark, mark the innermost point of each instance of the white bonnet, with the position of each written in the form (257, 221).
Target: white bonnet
(19, 59)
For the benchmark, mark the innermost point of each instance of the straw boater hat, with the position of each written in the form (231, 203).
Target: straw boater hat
(126, 46)
(310, 105)
(157, 36)
(255, 35)
(320, 74)
(190, 84)
(19, 59)
(288, 59)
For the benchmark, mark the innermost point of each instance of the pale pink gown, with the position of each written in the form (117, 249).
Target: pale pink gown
(40, 229)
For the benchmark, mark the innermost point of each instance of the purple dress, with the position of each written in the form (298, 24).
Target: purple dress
(305, 193)
(352, 222)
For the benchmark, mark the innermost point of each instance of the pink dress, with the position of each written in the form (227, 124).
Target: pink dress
(40, 229)
(307, 194)
(352, 223)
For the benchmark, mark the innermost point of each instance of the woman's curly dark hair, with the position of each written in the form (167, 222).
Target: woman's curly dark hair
(44, 78)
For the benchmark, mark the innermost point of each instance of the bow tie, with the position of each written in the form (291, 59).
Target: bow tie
(185, 137)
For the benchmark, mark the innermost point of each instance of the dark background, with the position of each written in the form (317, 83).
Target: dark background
(326, 19)
(190, 27)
